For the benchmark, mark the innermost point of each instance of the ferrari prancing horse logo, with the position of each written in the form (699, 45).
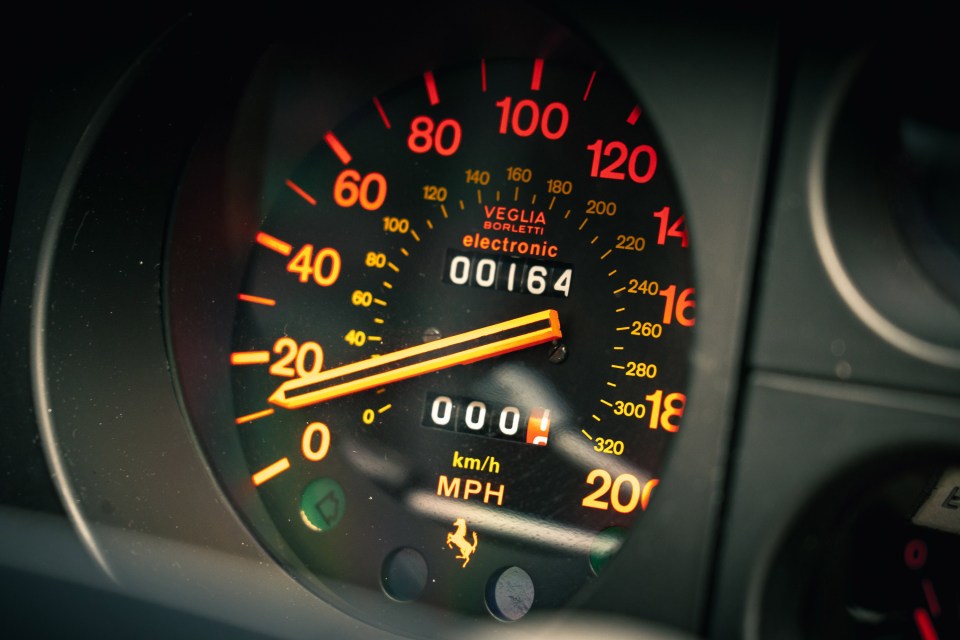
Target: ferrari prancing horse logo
(459, 538)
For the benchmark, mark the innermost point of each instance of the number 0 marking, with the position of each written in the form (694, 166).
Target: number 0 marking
(318, 452)
(647, 490)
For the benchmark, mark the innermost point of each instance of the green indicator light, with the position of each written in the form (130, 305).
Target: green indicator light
(604, 546)
(323, 504)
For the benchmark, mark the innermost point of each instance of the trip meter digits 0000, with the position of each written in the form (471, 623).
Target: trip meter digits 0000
(460, 346)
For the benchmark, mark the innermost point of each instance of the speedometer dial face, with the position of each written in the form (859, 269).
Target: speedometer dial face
(460, 345)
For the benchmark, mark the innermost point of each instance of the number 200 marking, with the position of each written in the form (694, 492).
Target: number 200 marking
(595, 500)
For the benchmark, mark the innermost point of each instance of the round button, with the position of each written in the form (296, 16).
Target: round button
(404, 574)
(510, 594)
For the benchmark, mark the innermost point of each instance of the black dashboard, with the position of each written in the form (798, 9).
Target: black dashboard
(782, 434)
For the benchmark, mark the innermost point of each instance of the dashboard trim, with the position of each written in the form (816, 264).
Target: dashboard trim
(844, 284)
(38, 321)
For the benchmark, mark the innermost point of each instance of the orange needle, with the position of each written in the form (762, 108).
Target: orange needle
(462, 348)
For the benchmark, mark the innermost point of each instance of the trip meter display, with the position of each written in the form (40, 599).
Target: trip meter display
(460, 344)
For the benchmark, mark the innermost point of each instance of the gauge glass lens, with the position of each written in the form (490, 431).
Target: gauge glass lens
(460, 347)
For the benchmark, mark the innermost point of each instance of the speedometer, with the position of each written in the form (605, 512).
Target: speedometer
(459, 348)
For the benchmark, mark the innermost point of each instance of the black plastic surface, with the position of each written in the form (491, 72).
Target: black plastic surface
(803, 322)
(800, 437)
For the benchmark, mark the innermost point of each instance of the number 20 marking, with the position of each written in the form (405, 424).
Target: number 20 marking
(306, 358)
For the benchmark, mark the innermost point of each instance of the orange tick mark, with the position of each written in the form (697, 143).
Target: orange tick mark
(925, 624)
(589, 85)
(274, 244)
(244, 297)
(537, 74)
(337, 148)
(383, 114)
(933, 603)
(271, 471)
(431, 88)
(254, 416)
(250, 357)
(300, 192)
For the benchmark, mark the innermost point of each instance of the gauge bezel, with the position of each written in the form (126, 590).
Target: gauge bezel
(128, 430)
(590, 325)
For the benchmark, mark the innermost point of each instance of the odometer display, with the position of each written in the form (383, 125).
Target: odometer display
(460, 347)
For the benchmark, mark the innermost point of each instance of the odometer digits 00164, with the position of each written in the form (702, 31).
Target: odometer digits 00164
(460, 345)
